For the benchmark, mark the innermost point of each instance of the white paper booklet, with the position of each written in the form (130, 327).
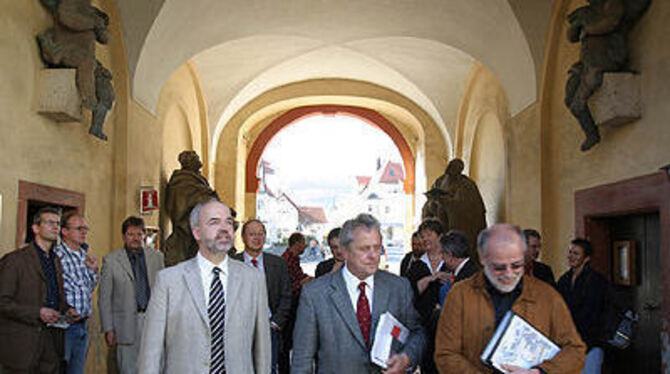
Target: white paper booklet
(388, 328)
(516, 342)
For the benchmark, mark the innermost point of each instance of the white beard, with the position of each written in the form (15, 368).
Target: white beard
(504, 288)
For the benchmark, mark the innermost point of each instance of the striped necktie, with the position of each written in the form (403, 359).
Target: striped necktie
(217, 314)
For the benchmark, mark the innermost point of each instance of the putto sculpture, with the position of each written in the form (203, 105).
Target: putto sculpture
(70, 43)
(601, 27)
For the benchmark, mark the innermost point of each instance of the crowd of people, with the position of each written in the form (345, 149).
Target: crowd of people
(254, 312)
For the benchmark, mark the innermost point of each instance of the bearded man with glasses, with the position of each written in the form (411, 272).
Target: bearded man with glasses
(475, 307)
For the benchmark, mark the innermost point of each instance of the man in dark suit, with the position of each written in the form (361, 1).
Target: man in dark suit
(413, 256)
(534, 267)
(31, 298)
(334, 263)
(276, 278)
(339, 312)
(456, 255)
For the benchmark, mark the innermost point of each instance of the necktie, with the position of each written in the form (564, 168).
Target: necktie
(217, 312)
(255, 262)
(363, 313)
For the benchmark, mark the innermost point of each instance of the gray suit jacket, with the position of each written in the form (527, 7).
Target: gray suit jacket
(116, 292)
(176, 337)
(278, 285)
(327, 330)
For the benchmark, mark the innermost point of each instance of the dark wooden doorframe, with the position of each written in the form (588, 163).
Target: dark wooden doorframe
(39, 192)
(645, 194)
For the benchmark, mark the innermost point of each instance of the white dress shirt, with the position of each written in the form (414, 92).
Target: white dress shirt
(426, 260)
(206, 274)
(352, 283)
(460, 266)
(247, 260)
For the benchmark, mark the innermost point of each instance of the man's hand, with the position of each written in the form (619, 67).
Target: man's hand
(517, 370)
(91, 262)
(110, 339)
(48, 315)
(442, 276)
(398, 363)
(72, 315)
(274, 326)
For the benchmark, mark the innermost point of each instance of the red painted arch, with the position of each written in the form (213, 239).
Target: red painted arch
(369, 116)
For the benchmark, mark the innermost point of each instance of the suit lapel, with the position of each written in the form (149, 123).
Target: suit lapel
(194, 286)
(125, 263)
(342, 302)
(380, 303)
(234, 284)
(152, 266)
(35, 258)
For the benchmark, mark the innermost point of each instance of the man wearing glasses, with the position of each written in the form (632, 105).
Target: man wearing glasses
(475, 307)
(80, 276)
(32, 300)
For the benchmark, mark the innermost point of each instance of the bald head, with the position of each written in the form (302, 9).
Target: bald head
(501, 234)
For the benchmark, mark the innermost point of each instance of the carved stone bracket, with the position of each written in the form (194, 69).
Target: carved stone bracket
(59, 98)
(617, 102)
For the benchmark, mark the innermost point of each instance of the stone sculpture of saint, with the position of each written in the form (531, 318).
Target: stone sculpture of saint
(186, 188)
(454, 199)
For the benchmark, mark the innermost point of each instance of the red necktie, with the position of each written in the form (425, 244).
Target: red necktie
(363, 313)
(255, 262)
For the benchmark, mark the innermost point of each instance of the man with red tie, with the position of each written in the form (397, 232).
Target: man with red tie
(276, 278)
(339, 312)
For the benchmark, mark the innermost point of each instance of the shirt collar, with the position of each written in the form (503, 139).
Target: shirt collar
(352, 281)
(426, 260)
(248, 257)
(206, 266)
(460, 266)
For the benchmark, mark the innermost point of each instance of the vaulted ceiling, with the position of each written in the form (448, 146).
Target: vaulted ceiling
(421, 49)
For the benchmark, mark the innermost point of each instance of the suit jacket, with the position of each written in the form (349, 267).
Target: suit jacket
(177, 329)
(324, 267)
(116, 292)
(327, 331)
(23, 292)
(543, 272)
(278, 285)
(468, 270)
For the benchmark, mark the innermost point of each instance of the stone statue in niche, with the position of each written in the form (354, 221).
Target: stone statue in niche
(601, 27)
(70, 43)
(186, 188)
(454, 200)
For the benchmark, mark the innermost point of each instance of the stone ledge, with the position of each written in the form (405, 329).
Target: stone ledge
(59, 98)
(617, 101)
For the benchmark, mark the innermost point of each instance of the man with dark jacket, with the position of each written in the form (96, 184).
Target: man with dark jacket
(334, 263)
(584, 290)
(413, 256)
(534, 267)
(31, 300)
(276, 279)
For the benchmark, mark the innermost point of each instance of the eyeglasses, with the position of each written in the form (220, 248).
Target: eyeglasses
(513, 266)
(79, 228)
(50, 222)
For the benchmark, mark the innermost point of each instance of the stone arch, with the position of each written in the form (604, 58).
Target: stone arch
(369, 116)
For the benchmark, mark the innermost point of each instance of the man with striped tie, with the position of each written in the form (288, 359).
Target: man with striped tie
(208, 314)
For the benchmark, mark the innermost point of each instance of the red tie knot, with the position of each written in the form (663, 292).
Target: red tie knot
(361, 286)
(255, 262)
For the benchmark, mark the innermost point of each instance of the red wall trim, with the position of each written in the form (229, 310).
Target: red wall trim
(370, 116)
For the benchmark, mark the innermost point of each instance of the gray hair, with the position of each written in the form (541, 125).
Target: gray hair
(194, 217)
(456, 243)
(505, 230)
(362, 220)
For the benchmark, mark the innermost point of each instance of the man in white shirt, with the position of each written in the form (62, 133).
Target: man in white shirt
(210, 313)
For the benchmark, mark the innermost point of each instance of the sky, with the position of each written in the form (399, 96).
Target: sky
(317, 159)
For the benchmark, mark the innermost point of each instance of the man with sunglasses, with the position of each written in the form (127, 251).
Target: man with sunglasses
(475, 307)
(80, 276)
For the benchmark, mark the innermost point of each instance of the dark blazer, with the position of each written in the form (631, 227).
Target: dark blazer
(324, 267)
(469, 269)
(426, 301)
(23, 292)
(406, 263)
(543, 272)
(327, 331)
(279, 287)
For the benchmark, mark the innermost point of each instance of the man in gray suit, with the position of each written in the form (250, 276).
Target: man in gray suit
(210, 313)
(126, 280)
(276, 279)
(336, 321)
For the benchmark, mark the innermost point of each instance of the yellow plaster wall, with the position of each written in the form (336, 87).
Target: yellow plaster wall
(634, 149)
(481, 139)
